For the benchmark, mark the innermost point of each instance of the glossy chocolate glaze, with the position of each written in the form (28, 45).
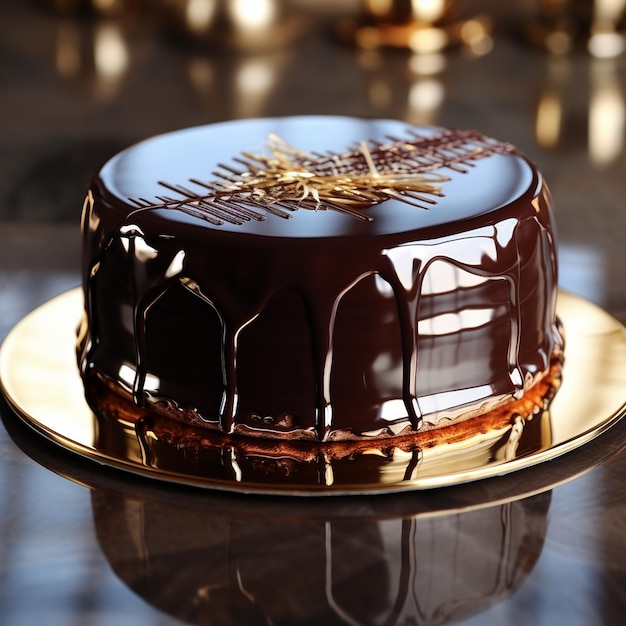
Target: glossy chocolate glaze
(320, 326)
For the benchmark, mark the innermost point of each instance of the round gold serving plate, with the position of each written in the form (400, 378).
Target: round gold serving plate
(40, 381)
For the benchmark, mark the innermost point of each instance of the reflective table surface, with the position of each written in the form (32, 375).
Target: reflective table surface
(86, 544)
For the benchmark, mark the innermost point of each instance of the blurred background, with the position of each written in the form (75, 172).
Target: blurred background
(82, 79)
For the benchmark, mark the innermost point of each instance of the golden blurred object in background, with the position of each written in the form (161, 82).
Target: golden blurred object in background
(108, 8)
(583, 104)
(245, 25)
(97, 55)
(421, 26)
(565, 26)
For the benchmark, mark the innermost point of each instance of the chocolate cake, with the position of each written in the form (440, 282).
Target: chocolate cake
(318, 278)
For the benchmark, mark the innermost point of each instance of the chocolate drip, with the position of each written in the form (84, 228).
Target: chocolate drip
(410, 263)
(403, 267)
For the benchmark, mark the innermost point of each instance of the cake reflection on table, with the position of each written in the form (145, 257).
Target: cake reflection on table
(252, 561)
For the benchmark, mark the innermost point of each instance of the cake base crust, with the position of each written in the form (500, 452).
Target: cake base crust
(110, 404)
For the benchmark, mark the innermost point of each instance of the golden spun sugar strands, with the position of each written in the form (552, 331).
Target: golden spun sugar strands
(286, 179)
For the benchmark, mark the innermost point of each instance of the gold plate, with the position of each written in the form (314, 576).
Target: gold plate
(39, 378)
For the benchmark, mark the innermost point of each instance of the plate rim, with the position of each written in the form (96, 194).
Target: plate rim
(69, 300)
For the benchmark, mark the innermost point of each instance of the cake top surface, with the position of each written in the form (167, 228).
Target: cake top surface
(150, 175)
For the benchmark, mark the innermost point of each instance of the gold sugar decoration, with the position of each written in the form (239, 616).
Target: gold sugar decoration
(289, 175)
(286, 179)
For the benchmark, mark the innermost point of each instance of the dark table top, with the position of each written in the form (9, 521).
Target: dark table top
(84, 544)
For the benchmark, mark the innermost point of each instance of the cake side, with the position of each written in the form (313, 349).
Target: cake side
(380, 331)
